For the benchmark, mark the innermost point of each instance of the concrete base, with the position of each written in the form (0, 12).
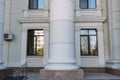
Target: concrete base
(113, 71)
(5, 72)
(61, 74)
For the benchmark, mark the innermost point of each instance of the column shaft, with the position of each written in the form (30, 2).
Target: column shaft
(2, 5)
(114, 12)
(61, 36)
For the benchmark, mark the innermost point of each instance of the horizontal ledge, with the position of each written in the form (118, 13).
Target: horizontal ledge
(90, 19)
(76, 20)
(35, 20)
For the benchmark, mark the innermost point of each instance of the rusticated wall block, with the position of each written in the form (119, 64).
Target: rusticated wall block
(61, 74)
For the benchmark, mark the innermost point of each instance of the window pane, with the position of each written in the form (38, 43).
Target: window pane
(84, 45)
(83, 4)
(30, 44)
(93, 45)
(40, 42)
(40, 4)
(35, 42)
(84, 32)
(92, 3)
(33, 4)
(92, 32)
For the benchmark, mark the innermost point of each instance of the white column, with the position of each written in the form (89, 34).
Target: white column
(62, 55)
(114, 13)
(2, 5)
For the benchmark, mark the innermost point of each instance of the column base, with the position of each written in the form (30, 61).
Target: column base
(113, 64)
(113, 71)
(2, 66)
(61, 67)
(61, 74)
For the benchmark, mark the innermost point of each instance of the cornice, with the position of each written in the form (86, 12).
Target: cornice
(90, 19)
(34, 20)
(76, 20)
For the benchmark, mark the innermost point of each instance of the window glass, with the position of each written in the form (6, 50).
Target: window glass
(84, 32)
(83, 3)
(36, 4)
(40, 4)
(84, 45)
(92, 32)
(92, 3)
(33, 4)
(93, 45)
(35, 44)
(87, 4)
(88, 42)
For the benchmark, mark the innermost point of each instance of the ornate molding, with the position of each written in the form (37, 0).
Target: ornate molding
(35, 20)
(26, 26)
(90, 19)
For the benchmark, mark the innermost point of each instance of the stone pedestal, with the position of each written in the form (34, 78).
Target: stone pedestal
(61, 74)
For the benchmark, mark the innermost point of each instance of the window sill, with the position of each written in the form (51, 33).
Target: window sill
(34, 56)
(89, 56)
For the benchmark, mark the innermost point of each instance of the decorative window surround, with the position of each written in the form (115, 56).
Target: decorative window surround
(88, 12)
(100, 58)
(25, 27)
(36, 4)
(36, 13)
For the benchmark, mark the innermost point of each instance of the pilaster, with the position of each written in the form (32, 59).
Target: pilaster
(46, 39)
(101, 47)
(2, 11)
(77, 46)
(23, 46)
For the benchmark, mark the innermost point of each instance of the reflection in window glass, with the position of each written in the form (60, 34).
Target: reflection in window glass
(83, 3)
(88, 42)
(84, 45)
(85, 32)
(40, 4)
(36, 4)
(87, 4)
(35, 44)
(92, 3)
(93, 45)
(92, 32)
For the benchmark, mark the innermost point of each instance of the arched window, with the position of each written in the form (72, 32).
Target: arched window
(36, 4)
(87, 4)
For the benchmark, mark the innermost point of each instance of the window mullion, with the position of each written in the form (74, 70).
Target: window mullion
(37, 3)
(87, 4)
(88, 45)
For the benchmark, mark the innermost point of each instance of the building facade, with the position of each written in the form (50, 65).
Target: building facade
(96, 31)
